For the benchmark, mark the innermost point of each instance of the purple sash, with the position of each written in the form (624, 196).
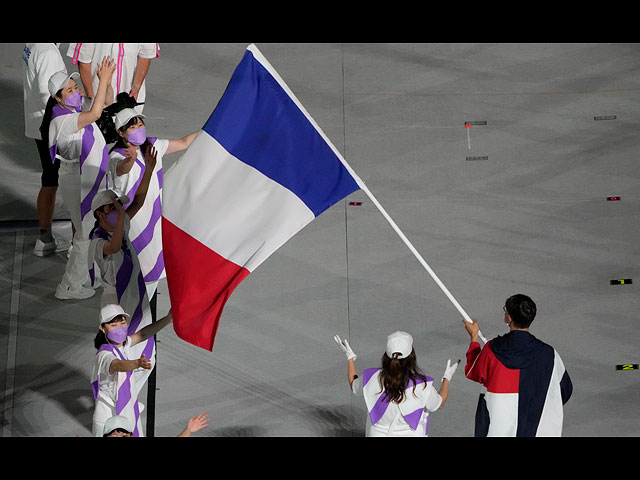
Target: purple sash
(378, 402)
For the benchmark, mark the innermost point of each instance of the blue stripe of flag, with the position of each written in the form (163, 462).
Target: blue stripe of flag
(257, 122)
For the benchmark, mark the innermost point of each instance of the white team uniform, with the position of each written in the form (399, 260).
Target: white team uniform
(125, 55)
(409, 418)
(41, 60)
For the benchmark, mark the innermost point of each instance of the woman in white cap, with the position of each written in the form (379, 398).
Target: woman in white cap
(398, 396)
(126, 168)
(119, 371)
(72, 135)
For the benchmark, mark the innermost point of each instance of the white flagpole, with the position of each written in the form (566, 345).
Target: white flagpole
(260, 57)
(419, 257)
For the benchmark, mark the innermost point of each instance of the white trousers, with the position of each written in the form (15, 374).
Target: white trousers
(76, 272)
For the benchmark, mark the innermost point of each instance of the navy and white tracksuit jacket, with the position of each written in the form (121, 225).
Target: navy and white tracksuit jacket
(526, 386)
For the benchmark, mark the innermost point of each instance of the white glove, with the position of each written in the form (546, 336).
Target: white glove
(450, 370)
(344, 346)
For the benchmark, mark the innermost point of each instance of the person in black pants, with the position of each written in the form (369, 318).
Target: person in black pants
(41, 60)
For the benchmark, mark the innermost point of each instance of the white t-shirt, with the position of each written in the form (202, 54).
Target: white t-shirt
(125, 55)
(41, 60)
(69, 138)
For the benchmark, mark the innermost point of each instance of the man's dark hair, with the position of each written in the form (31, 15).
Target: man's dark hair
(521, 309)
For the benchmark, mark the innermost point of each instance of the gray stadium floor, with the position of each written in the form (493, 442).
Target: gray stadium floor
(516, 205)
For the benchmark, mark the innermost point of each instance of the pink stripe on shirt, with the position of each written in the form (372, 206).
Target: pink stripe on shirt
(76, 53)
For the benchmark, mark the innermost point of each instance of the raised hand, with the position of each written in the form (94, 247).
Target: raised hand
(345, 347)
(197, 422)
(106, 68)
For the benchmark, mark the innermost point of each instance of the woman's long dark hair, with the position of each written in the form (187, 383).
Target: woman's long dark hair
(100, 339)
(46, 118)
(396, 375)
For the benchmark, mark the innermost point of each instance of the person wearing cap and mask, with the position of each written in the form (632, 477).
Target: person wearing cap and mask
(120, 368)
(73, 135)
(398, 396)
(41, 61)
(126, 167)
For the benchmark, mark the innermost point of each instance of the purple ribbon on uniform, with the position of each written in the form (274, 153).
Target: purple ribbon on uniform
(381, 405)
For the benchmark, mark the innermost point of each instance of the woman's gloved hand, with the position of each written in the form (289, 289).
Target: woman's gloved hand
(450, 370)
(345, 347)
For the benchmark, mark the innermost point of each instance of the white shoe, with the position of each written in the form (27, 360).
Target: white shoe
(42, 249)
(66, 293)
(62, 245)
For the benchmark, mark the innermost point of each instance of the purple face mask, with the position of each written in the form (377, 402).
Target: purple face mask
(112, 218)
(118, 335)
(137, 136)
(74, 100)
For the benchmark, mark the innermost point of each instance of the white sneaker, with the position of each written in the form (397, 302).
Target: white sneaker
(66, 293)
(62, 245)
(42, 249)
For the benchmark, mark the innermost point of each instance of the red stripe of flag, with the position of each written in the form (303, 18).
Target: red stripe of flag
(200, 284)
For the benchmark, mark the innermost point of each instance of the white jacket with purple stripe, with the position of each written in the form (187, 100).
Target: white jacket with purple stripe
(410, 417)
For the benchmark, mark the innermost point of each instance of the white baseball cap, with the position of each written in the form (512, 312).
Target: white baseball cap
(117, 421)
(124, 115)
(59, 80)
(110, 311)
(105, 197)
(401, 343)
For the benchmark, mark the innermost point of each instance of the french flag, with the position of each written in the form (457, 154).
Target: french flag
(257, 173)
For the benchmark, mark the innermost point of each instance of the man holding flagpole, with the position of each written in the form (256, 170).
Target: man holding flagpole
(525, 379)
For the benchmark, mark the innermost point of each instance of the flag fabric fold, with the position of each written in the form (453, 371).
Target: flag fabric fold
(258, 172)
